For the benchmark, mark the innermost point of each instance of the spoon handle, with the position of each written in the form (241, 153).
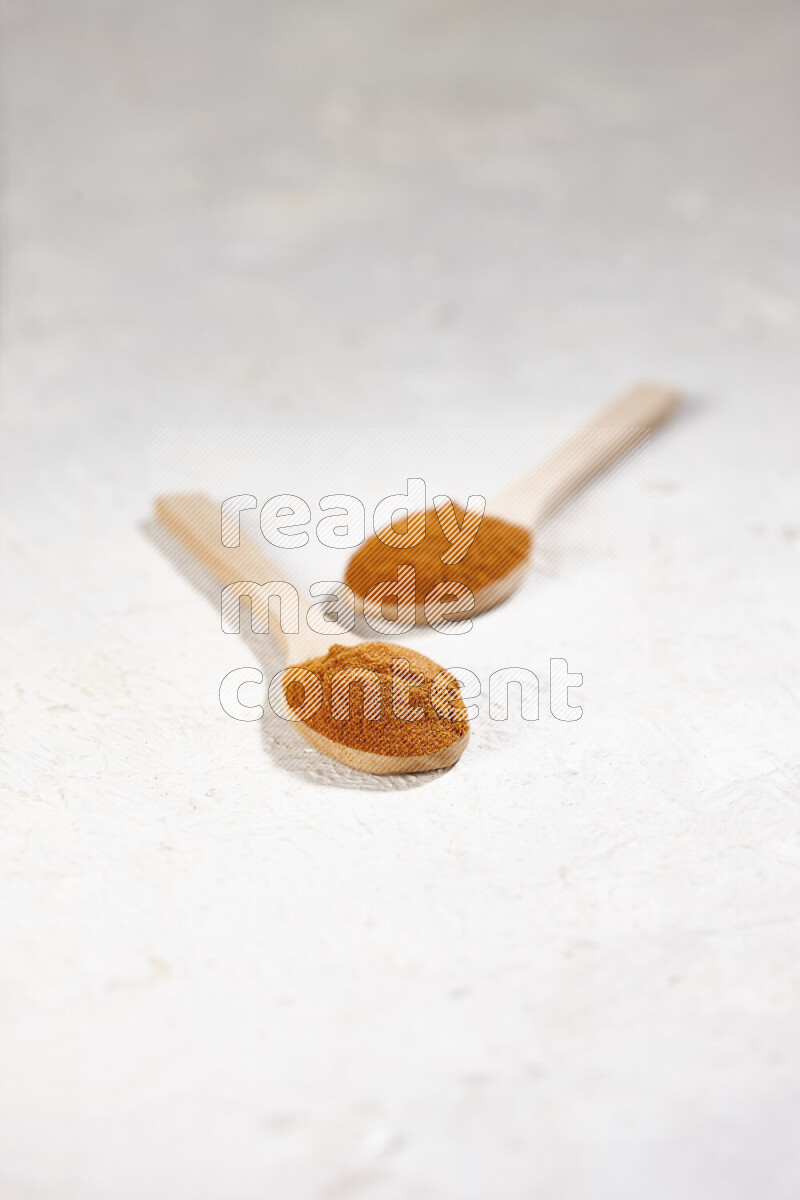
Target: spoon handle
(196, 522)
(615, 431)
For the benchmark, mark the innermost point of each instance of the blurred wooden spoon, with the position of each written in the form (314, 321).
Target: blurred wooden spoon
(195, 522)
(503, 546)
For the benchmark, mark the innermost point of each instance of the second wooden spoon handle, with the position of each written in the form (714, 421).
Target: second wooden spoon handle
(614, 432)
(195, 521)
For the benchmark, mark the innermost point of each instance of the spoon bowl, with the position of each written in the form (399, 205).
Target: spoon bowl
(613, 433)
(195, 522)
(382, 764)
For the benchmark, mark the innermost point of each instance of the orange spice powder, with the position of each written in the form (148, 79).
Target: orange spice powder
(409, 684)
(498, 548)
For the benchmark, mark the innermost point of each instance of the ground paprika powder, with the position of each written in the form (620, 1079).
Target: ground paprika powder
(498, 548)
(408, 705)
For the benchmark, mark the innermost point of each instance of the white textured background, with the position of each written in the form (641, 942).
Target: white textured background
(569, 967)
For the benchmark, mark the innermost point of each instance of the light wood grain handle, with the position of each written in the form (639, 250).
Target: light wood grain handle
(195, 522)
(615, 431)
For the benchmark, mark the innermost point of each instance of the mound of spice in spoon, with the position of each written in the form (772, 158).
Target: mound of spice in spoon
(381, 699)
(500, 553)
(377, 707)
(497, 549)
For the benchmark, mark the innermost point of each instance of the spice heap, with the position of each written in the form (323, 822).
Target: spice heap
(498, 548)
(420, 710)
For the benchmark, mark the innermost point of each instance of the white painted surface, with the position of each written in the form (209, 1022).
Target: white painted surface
(569, 967)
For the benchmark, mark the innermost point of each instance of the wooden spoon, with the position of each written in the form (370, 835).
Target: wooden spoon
(195, 521)
(615, 431)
